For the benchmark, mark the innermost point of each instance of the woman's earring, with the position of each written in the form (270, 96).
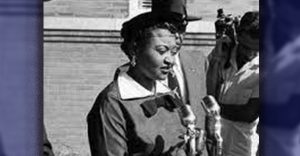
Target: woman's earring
(133, 61)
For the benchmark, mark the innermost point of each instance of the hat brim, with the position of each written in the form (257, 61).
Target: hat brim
(193, 18)
(177, 17)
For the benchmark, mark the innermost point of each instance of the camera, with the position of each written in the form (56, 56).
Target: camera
(226, 25)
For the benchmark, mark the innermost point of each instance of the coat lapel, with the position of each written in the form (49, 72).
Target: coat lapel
(194, 71)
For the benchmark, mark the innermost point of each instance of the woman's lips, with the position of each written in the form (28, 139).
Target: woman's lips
(166, 70)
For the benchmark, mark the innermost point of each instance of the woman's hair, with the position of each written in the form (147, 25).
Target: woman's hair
(136, 31)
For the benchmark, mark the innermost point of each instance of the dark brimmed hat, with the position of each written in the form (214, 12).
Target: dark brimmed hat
(250, 24)
(167, 7)
(172, 11)
(248, 30)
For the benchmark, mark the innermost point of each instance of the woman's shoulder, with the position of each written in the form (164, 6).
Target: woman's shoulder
(107, 101)
(110, 92)
(107, 105)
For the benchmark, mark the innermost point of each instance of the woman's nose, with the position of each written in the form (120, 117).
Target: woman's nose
(169, 60)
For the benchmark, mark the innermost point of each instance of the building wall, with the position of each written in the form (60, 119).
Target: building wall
(73, 76)
(87, 8)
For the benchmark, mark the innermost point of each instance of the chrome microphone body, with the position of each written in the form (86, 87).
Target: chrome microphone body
(213, 123)
(188, 120)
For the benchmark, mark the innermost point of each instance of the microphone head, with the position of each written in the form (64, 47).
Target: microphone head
(188, 118)
(210, 104)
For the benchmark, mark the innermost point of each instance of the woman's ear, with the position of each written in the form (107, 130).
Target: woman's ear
(133, 61)
(132, 55)
(131, 49)
(134, 48)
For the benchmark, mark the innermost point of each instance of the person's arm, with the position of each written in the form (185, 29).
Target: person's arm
(217, 59)
(212, 74)
(106, 129)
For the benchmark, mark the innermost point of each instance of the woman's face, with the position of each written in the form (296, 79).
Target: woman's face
(156, 57)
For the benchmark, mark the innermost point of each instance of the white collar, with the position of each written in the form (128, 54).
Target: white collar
(177, 61)
(130, 89)
(255, 61)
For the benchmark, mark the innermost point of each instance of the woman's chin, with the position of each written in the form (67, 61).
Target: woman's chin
(162, 77)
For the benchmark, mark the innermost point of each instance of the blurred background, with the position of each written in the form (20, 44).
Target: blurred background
(82, 51)
(280, 77)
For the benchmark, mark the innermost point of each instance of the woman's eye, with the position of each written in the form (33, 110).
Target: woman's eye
(162, 49)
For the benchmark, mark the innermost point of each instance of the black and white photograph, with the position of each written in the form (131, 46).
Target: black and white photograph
(151, 77)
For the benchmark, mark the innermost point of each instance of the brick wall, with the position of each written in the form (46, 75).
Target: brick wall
(87, 8)
(73, 76)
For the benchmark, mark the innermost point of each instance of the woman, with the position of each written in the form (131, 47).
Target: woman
(135, 114)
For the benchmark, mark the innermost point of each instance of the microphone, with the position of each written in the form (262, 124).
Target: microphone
(187, 116)
(211, 105)
(213, 123)
(188, 120)
(194, 137)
